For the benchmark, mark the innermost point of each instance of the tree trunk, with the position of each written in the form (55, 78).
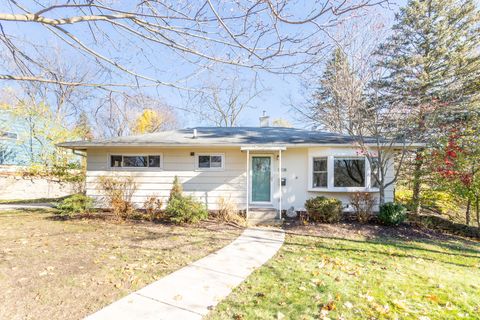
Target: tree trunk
(467, 213)
(417, 180)
(381, 190)
(477, 210)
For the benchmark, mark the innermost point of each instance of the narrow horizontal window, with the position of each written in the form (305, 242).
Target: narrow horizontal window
(349, 172)
(210, 161)
(320, 173)
(8, 135)
(135, 161)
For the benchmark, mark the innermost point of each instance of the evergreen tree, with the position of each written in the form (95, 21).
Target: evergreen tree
(432, 66)
(83, 128)
(337, 97)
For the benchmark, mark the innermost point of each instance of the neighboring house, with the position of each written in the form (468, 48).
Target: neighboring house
(16, 147)
(255, 167)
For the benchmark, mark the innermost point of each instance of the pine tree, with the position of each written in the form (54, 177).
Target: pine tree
(177, 189)
(338, 95)
(82, 127)
(432, 64)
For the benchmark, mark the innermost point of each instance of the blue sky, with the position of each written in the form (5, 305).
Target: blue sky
(280, 90)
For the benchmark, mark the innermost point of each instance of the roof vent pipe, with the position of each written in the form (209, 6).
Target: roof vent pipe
(264, 120)
(194, 133)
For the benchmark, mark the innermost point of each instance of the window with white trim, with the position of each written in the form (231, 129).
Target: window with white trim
(348, 172)
(210, 161)
(135, 161)
(320, 172)
(8, 135)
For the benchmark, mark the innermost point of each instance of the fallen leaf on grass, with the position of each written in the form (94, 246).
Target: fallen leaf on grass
(381, 309)
(323, 315)
(449, 306)
(432, 298)
(329, 306)
(238, 316)
(401, 304)
(367, 297)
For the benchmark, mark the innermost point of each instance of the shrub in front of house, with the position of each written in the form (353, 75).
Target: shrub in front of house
(77, 203)
(177, 189)
(184, 209)
(362, 204)
(392, 214)
(228, 211)
(324, 210)
(153, 208)
(118, 194)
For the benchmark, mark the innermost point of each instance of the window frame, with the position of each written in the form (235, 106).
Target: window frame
(213, 154)
(351, 158)
(7, 135)
(313, 172)
(131, 154)
(331, 155)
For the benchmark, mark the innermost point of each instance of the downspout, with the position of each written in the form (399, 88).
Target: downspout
(248, 181)
(280, 183)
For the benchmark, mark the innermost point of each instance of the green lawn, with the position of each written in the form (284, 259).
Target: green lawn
(379, 276)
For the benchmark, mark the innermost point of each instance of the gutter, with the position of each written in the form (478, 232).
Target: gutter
(243, 146)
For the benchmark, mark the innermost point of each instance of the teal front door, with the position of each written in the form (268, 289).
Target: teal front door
(261, 179)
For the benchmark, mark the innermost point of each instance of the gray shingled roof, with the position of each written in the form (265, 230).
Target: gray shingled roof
(221, 136)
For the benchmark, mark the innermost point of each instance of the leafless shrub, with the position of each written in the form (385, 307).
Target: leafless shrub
(362, 203)
(228, 211)
(118, 194)
(153, 207)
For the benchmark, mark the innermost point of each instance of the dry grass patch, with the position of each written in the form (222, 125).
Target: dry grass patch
(54, 269)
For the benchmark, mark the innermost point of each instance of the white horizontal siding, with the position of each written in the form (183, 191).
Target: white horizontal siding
(210, 186)
(206, 186)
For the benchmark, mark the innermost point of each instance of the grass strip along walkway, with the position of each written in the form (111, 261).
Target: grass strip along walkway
(366, 276)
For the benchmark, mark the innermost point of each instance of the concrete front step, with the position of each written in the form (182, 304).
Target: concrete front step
(265, 222)
(263, 216)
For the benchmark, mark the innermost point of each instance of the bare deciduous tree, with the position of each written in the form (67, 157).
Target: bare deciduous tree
(116, 115)
(134, 39)
(223, 102)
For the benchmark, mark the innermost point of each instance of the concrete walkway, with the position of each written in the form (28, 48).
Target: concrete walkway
(19, 206)
(191, 292)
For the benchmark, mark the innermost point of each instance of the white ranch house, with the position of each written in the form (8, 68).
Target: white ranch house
(267, 168)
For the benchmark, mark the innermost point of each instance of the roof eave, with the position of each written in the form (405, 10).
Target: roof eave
(241, 145)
